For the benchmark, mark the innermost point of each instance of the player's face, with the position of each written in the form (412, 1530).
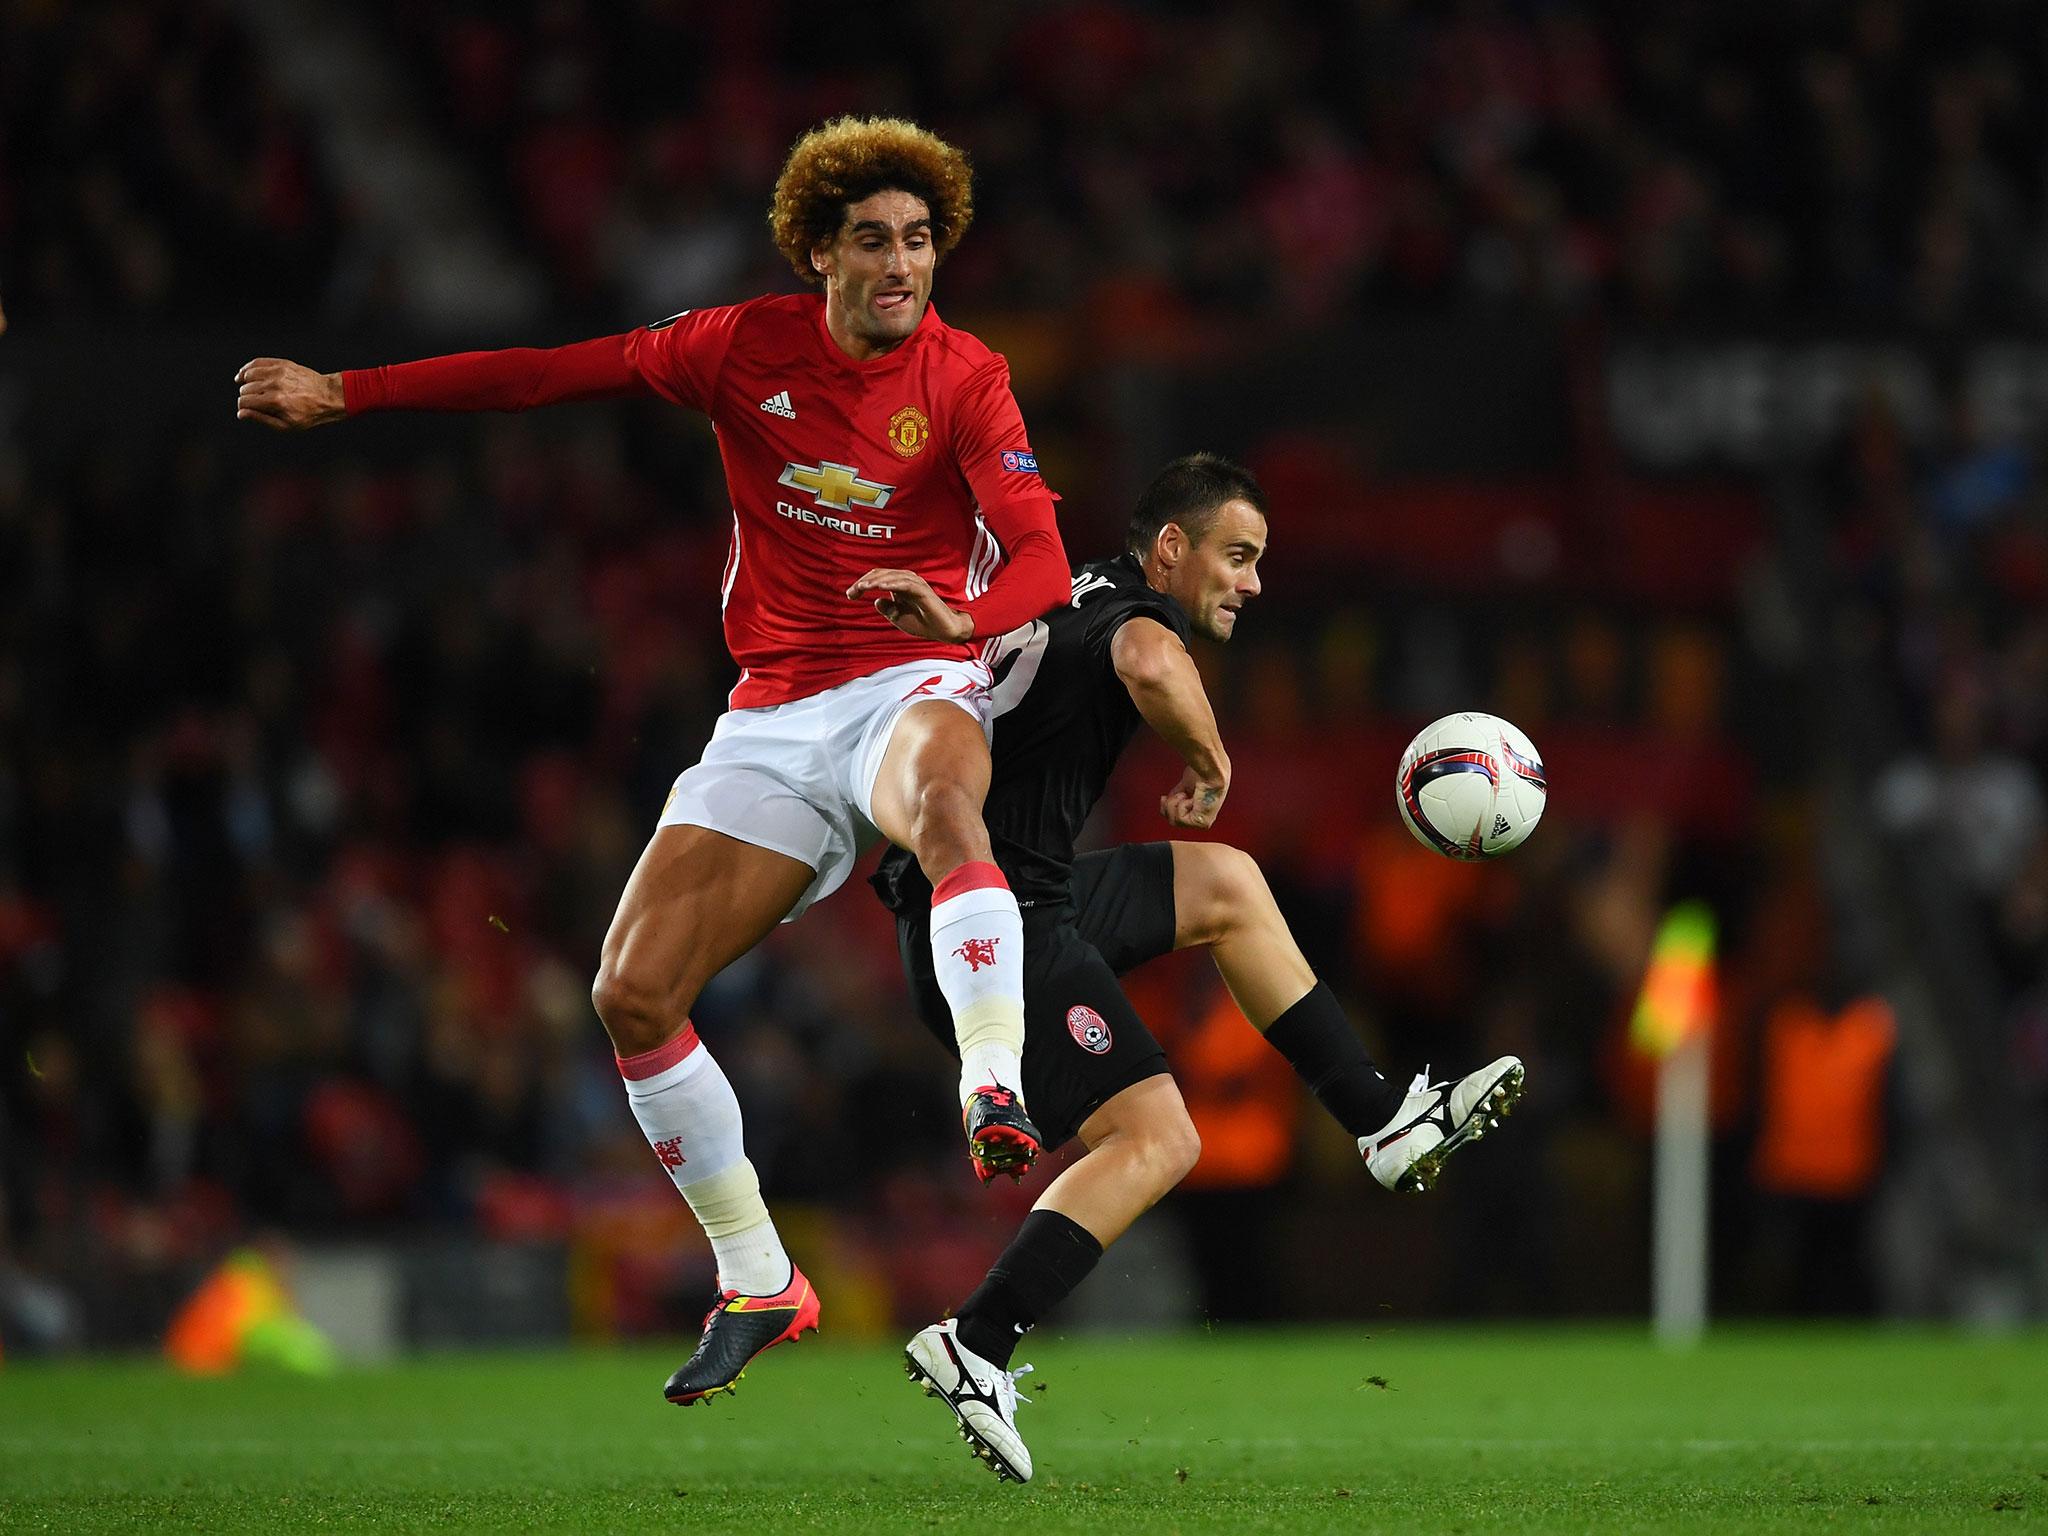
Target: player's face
(878, 271)
(1212, 580)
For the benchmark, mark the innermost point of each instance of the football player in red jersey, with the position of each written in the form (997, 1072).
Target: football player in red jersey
(889, 522)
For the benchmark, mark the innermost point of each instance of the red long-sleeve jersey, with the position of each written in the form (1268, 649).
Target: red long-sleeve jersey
(916, 460)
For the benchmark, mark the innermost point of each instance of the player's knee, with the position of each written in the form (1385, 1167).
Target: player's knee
(618, 999)
(639, 1014)
(1172, 1148)
(946, 823)
(1183, 1147)
(1228, 886)
(1240, 881)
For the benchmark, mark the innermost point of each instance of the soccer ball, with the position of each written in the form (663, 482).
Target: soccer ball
(1470, 786)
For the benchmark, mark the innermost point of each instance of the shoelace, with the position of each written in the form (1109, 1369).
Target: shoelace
(1368, 1145)
(1006, 1389)
(726, 1299)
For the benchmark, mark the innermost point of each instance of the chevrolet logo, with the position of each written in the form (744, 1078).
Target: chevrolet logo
(837, 486)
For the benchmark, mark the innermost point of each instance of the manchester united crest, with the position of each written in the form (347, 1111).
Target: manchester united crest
(909, 430)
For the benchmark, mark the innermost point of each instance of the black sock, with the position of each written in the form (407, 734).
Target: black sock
(1316, 1037)
(1049, 1256)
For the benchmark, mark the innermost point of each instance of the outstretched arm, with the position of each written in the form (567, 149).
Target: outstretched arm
(1161, 677)
(289, 397)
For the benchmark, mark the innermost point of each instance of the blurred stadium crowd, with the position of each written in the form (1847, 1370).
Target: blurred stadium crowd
(1158, 164)
(320, 769)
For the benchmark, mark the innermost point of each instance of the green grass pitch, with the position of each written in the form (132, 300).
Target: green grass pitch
(1399, 1431)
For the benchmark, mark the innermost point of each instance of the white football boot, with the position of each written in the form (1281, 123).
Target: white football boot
(983, 1397)
(1436, 1119)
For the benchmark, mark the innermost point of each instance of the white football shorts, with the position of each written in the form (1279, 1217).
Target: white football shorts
(799, 778)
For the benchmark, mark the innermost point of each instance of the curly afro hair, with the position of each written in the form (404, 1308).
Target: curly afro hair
(851, 158)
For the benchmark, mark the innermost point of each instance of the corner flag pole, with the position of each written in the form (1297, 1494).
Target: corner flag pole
(1673, 1021)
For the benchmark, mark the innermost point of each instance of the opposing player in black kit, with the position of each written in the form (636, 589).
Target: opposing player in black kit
(1071, 690)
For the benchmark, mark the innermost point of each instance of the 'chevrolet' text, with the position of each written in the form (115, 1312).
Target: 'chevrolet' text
(836, 524)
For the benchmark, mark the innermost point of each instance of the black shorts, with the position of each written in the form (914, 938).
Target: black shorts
(1083, 1041)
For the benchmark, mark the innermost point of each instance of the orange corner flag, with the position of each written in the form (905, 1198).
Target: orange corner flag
(1681, 992)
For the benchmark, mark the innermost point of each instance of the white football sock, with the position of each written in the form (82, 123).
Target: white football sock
(978, 956)
(743, 1238)
(691, 1117)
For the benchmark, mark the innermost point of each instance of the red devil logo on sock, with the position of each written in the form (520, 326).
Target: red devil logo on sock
(977, 953)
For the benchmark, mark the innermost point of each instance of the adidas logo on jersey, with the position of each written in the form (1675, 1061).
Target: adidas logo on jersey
(778, 404)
